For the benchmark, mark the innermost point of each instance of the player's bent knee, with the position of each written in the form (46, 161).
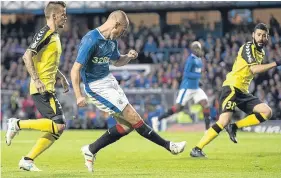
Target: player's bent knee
(225, 118)
(121, 122)
(263, 112)
(58, 126)
(124, 128)
(268, 113)
(130, 115)
(204, 103)
(61, 128)
(177, 108)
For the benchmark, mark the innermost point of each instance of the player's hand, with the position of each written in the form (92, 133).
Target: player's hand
(40, 86)
(81, 101)
(65, 85)
(278, 63)
(132, 54)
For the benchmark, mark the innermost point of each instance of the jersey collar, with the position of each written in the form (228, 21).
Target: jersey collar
(259, 49)
(101, 34)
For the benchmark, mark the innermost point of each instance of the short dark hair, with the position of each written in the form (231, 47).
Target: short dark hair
(57, 2)
(52, 6)
(261, 26)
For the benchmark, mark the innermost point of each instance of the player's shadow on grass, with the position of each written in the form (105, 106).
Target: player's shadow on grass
(190, 158)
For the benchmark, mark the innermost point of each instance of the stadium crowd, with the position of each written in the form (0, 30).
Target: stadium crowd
(166, 51)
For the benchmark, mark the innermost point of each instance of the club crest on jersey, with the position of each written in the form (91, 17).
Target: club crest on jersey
(120, 101)
(100, 60)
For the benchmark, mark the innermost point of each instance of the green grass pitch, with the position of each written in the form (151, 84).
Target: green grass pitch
(256, 155)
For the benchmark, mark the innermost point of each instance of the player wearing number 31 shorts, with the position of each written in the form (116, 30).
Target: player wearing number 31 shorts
(248, 62)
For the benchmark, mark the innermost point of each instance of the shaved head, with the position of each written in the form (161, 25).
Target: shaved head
(119, 16)
(116, 25)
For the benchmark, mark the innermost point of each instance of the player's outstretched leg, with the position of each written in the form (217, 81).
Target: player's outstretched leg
(28, 165)
(261, 113)
(42, 144)
(110, 136)
(144, 130)
(211, 134)
(52, 133)
(89, 158)
(12, 130)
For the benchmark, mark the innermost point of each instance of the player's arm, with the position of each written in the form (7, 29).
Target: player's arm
(188, 68)
(27, 58)
(63, 80)
(120, 60)
(75, 79)
(32, 50)
(125, 59)
(256, 69)
(84, 54)
(248, 55)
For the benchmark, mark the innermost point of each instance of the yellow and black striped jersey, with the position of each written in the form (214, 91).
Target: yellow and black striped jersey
(241, 75)
(47, 48)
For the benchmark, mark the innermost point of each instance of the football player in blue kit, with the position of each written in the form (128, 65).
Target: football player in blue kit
(98, 48)
(189, 88)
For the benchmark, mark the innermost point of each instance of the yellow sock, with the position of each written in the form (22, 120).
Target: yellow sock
(44, 125)
(211, 133)
(41, 145)
(253, 119)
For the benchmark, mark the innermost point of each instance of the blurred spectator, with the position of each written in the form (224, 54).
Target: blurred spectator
(274, 23)
(14, 104)
(150, 45)
(28, 107)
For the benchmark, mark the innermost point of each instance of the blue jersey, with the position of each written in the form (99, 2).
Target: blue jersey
(95, 53)
(192, 73)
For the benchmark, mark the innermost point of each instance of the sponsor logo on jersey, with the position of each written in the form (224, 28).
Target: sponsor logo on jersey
(101, 60)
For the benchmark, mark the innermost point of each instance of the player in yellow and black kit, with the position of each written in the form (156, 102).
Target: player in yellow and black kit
(235, 91)
(42, 61)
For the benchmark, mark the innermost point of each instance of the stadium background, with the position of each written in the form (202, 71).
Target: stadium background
(161, 33)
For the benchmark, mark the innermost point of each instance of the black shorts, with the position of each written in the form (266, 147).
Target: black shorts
(49, 107)
(231, 97)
